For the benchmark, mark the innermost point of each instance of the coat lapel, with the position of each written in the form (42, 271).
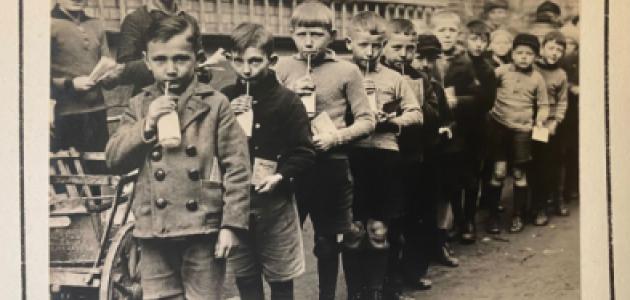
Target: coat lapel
(195, 106)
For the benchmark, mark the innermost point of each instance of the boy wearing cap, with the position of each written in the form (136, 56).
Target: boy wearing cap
(280, 136)
(521, 104)
(547, 156)
(376, 162)
(325, 191)
(495, 13)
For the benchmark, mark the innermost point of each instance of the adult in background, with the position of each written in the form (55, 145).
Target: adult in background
(77, 44)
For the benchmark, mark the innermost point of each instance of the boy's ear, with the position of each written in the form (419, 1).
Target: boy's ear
(273, 59)
(349, 44)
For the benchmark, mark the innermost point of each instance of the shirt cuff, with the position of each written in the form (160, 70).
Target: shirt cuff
(152, 138)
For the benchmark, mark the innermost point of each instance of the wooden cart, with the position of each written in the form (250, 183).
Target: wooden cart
(92, 252)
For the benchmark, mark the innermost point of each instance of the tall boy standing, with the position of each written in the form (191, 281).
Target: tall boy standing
(192, 198)
(376, 161)
(325, 191)
(280, 137)
(547, 156)
(521, 104)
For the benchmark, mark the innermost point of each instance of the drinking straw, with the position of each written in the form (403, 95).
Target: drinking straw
(247, 88)
(308, 64)
(166, 87)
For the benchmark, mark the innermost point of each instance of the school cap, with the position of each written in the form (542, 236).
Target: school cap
(526, 39)
(428, 44)
(478, 27)
(492, 4)
(548, 6)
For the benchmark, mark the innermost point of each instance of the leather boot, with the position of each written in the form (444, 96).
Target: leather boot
(520, 201)
(468, 230)
(493, 195)
(443, 256)
(561, 207)
(352, 261)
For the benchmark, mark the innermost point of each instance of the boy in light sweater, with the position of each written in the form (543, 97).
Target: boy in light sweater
(521, 104)
(325, 191)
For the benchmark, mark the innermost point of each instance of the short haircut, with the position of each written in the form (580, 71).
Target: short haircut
(370, 22)
(444, 15)
(402, 26)
(501, 33)
(555, 36)
(312, 13)
(478, 27)
(253, 35)
(165, 29)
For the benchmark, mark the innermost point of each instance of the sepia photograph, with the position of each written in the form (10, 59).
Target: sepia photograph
(313, 149)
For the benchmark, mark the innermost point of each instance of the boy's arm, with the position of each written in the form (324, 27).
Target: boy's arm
(301, 153)
(430, 107)
(127, 148)
(542, 101)
(364, 119)
(233, 156)
(409, 105)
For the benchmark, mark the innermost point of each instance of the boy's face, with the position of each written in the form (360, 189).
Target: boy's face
(400, 49)
(251, 64)
(476, 44)
(173, 61)
(572, 46)
(425, 62)
(72, 5)
(311, 40)
(366, 47)
(552, 52)
(501, 46)
(446, 30)
(523, 56)
(497, 16)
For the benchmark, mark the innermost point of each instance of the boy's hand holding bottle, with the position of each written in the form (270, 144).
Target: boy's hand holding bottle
(241, 104)
(160, 106)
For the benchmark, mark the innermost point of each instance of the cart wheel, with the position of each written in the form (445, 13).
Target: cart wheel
(120, 279)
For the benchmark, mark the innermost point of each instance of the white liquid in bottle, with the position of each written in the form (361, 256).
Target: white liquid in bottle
(169, 135)
(246, 119)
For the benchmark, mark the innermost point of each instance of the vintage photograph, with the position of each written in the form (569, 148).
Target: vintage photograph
(332, 149)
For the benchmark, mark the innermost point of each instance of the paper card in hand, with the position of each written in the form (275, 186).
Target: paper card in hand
(323, 124)
(104, 66)
(540, 134)
(246, 120)
(262, 169)
(309, 103)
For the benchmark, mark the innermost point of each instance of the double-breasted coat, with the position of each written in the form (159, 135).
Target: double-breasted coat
(196, 188)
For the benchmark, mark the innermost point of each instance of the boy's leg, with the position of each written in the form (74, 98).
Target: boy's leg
(352, 255)
(245, 264)
(521, 154)
(159, 266)
(494, 196)
(202, 273)
(250, 287)
(281, 290)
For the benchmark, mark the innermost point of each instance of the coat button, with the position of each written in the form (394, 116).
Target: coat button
(160, 174)
(160, 203)
(257, 125)
(156, 154)
(191, 150)
(192, 205)
(193, 174)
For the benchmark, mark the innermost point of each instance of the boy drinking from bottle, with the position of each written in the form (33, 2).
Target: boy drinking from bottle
(325, 191)
(192, 195)
(281, 140)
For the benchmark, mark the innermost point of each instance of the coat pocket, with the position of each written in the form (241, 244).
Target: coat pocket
(211, 196)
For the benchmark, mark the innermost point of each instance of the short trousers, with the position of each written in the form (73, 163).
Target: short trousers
(181, 266)
(273, 246)
(325, 194)
(378, 189)
(505, 144)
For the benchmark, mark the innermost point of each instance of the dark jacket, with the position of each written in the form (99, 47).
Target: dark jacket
(132, 43)
(75, 49)
(437, 114)
(196, 188)
(281, 130)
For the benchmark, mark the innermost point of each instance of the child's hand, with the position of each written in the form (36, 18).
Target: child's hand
(113, 74)
(325, 141)
(241, 104)
(575, 90)
(226, 241)
(159, 107)
(446, 131)
(82, 83)
(268, 184)
(552, 126)
(303, 86)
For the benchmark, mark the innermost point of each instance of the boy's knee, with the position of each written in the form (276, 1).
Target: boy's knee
(520, 179)
(498, 175)
(353, 239)
(377, 235)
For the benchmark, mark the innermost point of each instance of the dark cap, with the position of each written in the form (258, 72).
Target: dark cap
(548, 6)
(429, 45)
(492, 4)
(525, 39)
(478, 27)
